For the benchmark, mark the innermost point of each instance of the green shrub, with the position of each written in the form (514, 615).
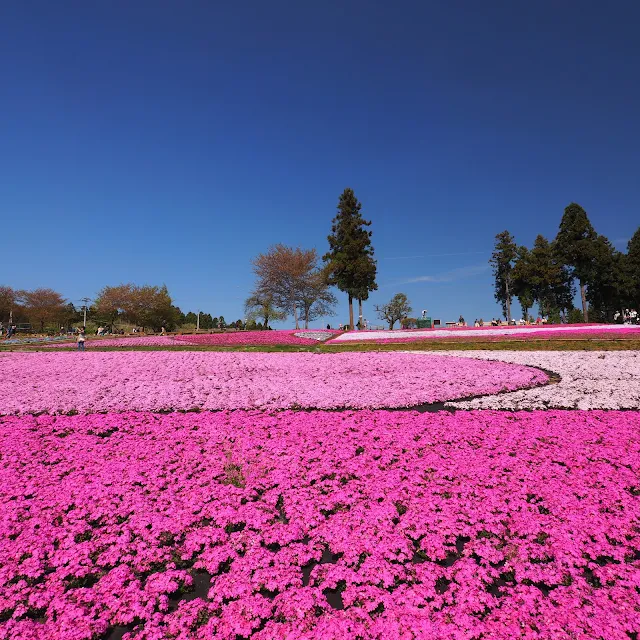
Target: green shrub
(575, 316)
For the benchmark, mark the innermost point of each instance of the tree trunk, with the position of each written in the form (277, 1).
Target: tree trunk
(585, 308)
(350, 312)
(360, 313)
(508, 300)
(306, 319)
(295, 315)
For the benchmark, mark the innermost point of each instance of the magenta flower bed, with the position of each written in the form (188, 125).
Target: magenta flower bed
(63, 382)
(386, 525)
(302, 337)
(258, 338)
(493, 334)
(146, 341)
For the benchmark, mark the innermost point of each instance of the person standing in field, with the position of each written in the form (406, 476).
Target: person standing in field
(81, 338)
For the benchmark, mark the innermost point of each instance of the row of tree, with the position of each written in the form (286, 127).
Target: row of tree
(148, 307)
(39, 307)
(289, 282)
(294, 282)
(207, 322)
(608, 280)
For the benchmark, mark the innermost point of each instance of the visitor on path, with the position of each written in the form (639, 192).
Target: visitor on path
(163, 332)
(81, 338)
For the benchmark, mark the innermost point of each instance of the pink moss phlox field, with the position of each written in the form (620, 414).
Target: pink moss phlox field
(145, 341)
(321, 525)
(494, 334)
(302, 337)
(589, 380)
(257, 338)
(64, 382)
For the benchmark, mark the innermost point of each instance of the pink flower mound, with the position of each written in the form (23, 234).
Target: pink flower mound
(259, 338)
(302, 337)
(146, 341)
(385, 525)
(42, 382)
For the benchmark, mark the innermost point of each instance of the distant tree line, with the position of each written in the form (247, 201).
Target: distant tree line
(547, 273)
(40, 307)
(148, 307)
(290, 282)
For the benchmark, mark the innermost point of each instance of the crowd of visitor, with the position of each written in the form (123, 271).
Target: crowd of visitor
(628, 316)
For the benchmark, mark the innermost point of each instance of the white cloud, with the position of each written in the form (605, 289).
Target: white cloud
(449, 276)
(435, 255)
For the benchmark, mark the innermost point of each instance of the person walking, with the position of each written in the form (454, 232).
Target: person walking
(81, 338)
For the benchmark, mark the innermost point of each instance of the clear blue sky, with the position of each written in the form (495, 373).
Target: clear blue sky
(168, 142)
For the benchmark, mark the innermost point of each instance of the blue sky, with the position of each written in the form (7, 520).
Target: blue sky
(166, 142)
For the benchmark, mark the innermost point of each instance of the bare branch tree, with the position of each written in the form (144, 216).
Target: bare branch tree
(260, 305)
(396, 309)
(282, 272)
(316, 299)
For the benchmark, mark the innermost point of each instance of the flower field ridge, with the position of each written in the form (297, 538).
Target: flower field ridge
(601, 331)
(302, 337)
(258, 338)
(42, 382)
(320, 525)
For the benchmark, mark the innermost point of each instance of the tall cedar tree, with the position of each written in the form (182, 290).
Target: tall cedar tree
(550, 280)
(632, 272)
(576, 246)
(350, 261)
(605, 292)
(521, 280)
(502, 260)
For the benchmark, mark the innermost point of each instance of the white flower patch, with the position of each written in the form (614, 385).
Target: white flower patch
(589, 380)
(472, 332)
